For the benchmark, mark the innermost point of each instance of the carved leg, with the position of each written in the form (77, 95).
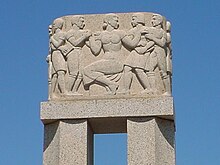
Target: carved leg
(61, 81)
(73, 68)
(166, 81)
(53, 85)
(49, 91)
(54, 82)
(71, 82)
(144, 81)
(151, 74)
(152, 80)
(49, 76)
(111, 85)
(127, 79)
(76, 85)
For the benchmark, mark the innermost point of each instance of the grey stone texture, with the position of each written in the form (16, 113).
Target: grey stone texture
(70, 125)
(150, 141)
(68, 142)
(105, 108)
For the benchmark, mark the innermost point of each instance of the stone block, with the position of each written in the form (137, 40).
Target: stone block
(68, 142)
(150, 141)
(107, 108)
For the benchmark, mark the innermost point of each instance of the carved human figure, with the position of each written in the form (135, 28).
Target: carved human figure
(76, 38)
(110, 40)
(50, 67)
(158, 57)
(57, 41)
(169, 51)
(140, 50)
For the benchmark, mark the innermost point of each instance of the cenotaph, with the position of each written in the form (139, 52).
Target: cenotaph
(109, 73)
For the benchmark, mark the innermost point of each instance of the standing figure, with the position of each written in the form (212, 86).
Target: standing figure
(140, 50)
(76, 38)
(110, 40)
(57, 42)
(169, 52)
(50, 67)
(158, 57)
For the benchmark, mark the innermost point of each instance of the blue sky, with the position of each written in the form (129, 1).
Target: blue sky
(196, 79)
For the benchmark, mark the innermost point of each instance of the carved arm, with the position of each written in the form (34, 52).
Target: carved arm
(79, 41)
(57, 43)
(149, 47)
(132, 42)
(159, 41)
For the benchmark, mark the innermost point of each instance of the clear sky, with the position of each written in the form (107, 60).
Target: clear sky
(196, 80)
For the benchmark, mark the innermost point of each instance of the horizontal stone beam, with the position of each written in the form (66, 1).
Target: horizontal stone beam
(107, 108)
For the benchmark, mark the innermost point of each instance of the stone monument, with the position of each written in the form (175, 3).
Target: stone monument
(109, 73)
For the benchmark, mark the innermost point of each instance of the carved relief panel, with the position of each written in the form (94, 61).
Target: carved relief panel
(109, 55)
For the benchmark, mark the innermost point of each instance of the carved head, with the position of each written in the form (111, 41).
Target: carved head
(79, 21)
(112, 20)
(168, 26)
(57, 24)
(137, 18)
(50, 30)
(157, 20)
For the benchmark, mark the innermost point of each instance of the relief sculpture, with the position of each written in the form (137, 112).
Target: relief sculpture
(76, 38)
(158, 57)
(169, 53)
(110, 40)
(124, 57)
(136, 61)
(57, 43)
(50, 67)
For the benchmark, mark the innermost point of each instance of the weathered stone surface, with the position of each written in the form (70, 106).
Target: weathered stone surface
(150, 141)
(68, 142)
(106, 108)
(109, 54)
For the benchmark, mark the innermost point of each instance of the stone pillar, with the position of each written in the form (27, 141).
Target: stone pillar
(68, 142)
(150, 141)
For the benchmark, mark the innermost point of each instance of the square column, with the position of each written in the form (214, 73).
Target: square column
(68, 142)
(150, 141)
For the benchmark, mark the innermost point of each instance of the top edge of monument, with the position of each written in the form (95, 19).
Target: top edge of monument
(118, 13)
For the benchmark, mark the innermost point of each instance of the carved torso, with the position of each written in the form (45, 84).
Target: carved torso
(111, 41)
(59, 37)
